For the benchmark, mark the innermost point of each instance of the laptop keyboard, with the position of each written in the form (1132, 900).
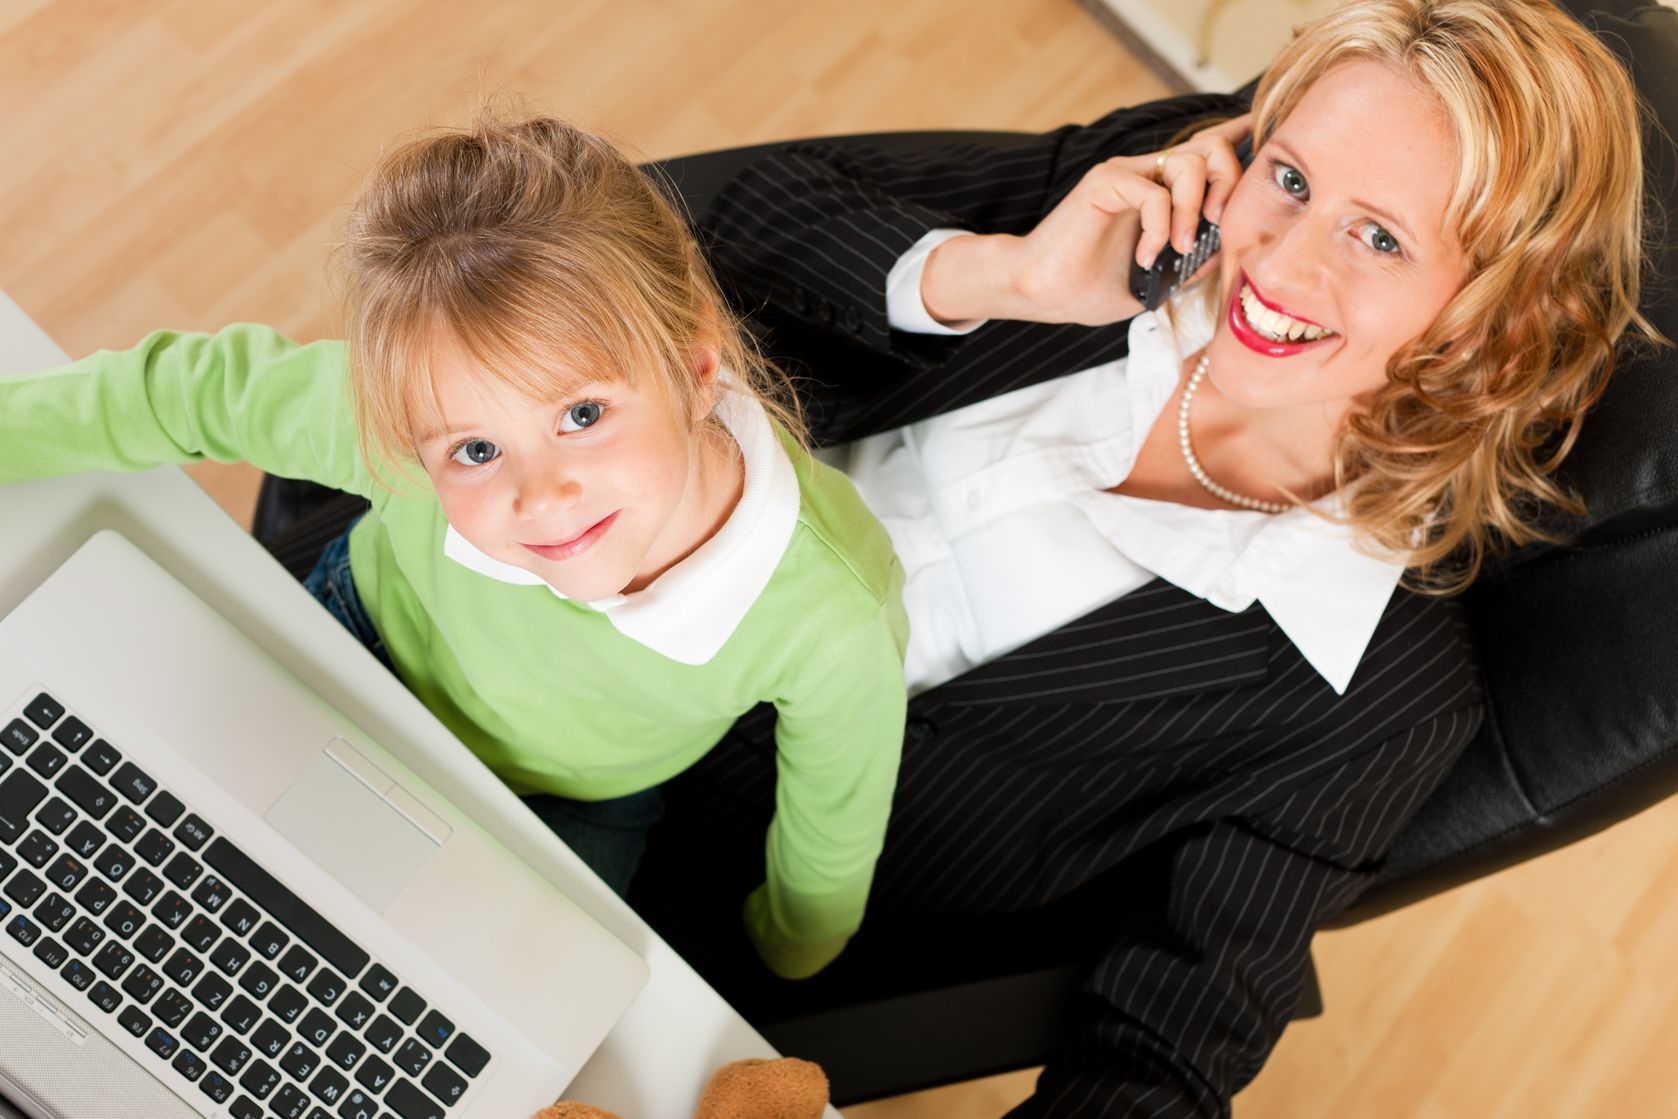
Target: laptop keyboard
(239, 988)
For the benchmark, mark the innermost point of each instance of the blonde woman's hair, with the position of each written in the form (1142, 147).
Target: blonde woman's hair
(1454, 457)
(547, 257)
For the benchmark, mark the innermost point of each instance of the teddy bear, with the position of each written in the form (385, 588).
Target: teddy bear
(785, 1088)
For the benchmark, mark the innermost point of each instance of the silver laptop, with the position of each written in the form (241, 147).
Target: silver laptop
(218, 898)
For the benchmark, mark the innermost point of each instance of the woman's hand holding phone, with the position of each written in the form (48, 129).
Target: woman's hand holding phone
(1075, 265)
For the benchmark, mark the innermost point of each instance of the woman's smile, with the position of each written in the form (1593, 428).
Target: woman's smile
(1266, 328)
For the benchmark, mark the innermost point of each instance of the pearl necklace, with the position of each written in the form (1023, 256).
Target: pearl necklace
(1199, 472)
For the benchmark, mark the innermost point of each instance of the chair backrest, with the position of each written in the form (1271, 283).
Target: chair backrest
(1579, 643)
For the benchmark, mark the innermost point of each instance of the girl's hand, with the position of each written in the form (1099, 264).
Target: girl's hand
(1075, 266)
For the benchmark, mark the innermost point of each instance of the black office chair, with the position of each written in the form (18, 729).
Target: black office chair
(1579, 646)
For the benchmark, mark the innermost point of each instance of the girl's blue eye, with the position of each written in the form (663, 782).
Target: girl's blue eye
(476, 452)
(579, 416)
(1380, 240)
(1290, 180)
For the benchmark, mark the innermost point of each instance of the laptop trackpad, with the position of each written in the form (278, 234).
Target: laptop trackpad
(352, 832)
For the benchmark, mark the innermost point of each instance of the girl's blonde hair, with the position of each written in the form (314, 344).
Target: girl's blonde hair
(549, 258)
(1456, 452)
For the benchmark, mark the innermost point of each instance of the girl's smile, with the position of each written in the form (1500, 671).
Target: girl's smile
(576, 545)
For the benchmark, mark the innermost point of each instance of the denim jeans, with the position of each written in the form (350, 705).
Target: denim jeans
(608, 835)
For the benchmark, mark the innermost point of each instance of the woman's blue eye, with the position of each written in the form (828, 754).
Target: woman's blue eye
(1380, 240)
(475, 452)
(579, 416)
(1290, 180)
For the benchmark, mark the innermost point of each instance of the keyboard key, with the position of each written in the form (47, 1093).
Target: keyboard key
(18, 736)
(355, 1011)
(374, 1074)
(154, 943)
(270, 1038)
(183, 870)
(407, 1006)
(51, 953)
(260, 1079)
(444, 1083)
(101, 756)
(412, 1057)
(345, 1051)
(84, 792)
(113, 862)
(46, 759)
(200, 933)
(37, 848)
(23, 930)
(299, 1061)
(54, 912)
(378, 982)
(20, 792)
(25, 889)
(84, 936)
(78, 975)
(467, 1055)
(55, 816)
(96, 896)
(326, 987)
(163, 1044)
(124, 920)
(411, 1103)
(172, 910)
(289, 1103)
(383, 1034)
(8, 863)
(133, 782)
(297, 963)
(244, 1107)
(212, 990)
(193, 832)
(328, 1085)
(229, 956)
(104, 996)
(154, 847)
(113, 960)
(171, 1008)
(316, 1028)
(259, 979)
(134, 1020)
(231, 1056)
(84, 839)
(358, 1105)
(165, 808)
(143, 886)
(44, 711)
(241, 917)
(286, 907)
(268, 940)
(212, 894)
(216, 1086)
(241, 1015)
(125, 823)
(72, 734)
(200, 1031)
(188, 1064)
(66, 871)
(183, 967)
(142, 983)
(288, 1002)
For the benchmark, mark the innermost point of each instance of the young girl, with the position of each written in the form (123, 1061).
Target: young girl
(593, 540)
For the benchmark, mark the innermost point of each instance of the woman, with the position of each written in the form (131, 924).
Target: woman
(1152, 564)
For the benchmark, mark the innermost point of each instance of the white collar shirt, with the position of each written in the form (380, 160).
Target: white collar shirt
(1000, 514)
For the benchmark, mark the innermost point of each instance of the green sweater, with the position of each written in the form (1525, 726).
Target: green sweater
(544, 690)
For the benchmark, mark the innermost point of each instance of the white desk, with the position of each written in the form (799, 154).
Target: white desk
(677, 1032)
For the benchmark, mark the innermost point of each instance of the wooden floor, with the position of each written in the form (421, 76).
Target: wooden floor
(182, 165)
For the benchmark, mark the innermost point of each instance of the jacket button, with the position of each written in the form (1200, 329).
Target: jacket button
(800, 300)
(918, 729)
(825, 311)
(853, 321)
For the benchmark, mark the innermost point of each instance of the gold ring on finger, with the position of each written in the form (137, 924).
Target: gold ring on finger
(1159, 168)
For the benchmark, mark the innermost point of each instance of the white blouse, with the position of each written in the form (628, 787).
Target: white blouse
(1000, 516)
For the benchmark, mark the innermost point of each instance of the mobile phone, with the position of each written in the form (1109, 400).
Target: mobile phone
(1155, 285)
